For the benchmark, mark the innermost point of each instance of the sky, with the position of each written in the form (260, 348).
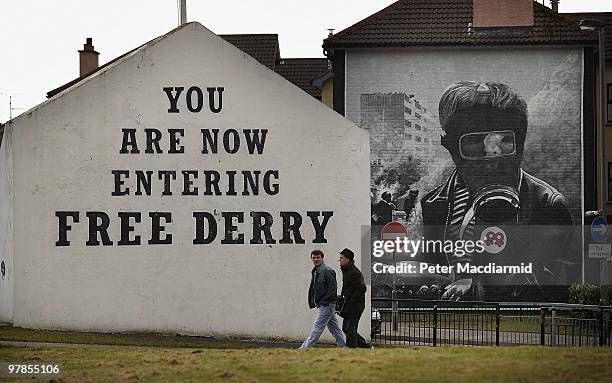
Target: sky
(40, 38)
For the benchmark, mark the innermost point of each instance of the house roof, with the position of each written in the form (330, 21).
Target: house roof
(302, 71)
(67, 85)
(603, 16)
(448, 22)
(262, 47)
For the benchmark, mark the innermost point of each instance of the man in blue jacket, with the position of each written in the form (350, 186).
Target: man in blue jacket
(322, 294)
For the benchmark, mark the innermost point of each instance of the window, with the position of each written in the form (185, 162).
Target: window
(610, 103)
(407, 124)
(417, 115)
(408, 136)
(417, 138)
(408, 110)
(418, 127)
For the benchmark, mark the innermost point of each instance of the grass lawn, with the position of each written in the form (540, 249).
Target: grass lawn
(159, 358)
(426, 364)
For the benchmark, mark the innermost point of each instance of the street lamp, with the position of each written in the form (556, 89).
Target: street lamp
(592, 25)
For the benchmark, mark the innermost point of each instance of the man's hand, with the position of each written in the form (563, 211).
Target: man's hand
(429, 291)
(457, 289)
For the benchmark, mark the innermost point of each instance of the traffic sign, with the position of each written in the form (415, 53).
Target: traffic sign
(599, 229)
(601, 251)
(393, 230)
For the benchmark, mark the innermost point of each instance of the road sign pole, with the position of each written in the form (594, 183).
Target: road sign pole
(603, 282)
(602, 157)
(599, 233)
(393, 231)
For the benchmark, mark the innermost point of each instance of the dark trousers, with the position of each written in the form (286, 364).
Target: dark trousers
(349, 327)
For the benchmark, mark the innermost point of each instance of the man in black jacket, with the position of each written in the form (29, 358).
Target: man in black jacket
(322, 294)
(353, 290)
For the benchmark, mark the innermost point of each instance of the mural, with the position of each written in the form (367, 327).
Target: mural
(471, 157)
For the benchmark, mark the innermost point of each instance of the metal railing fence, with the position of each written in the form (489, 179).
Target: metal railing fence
(435, 322)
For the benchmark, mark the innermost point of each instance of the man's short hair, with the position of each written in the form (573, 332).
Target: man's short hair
(317, 252)
(493, 96)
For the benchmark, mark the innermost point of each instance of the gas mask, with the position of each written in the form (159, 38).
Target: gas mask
(486, 146)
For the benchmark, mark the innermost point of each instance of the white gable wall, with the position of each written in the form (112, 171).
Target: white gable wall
(64, 152)
(6, 225)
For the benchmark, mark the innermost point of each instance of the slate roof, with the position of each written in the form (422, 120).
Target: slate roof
(59, 89)
(447, 22)
(262, 47)
(603, 16)
(265, 49)
(302, 71)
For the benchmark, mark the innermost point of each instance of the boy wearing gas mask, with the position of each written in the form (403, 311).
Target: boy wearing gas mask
(485, 126)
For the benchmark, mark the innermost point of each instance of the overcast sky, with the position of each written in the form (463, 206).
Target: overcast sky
(40, 38)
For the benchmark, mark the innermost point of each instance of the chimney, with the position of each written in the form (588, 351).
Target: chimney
(503, 13)
(88, 58)
(554, 5)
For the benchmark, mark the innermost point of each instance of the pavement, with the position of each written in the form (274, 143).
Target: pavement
(137, 338)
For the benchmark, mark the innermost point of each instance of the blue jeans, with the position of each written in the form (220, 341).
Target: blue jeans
(326, 316)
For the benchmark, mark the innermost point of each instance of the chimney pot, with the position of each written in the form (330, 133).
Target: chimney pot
(554, 5)
(88, 58)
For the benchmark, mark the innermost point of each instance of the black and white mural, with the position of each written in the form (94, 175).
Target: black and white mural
(475, 145)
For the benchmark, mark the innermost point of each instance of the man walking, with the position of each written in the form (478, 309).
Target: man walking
(353, 291)
(322, 295)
